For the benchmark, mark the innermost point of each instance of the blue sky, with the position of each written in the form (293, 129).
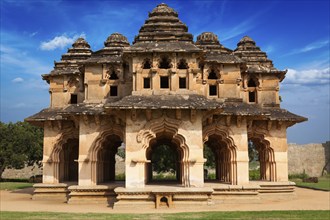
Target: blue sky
(295, 35)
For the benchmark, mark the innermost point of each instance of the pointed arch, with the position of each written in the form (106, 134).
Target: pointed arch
(165, 62)
(55, 157)
(166, 127)
(115, 133)
(266, 155)
(225, 149)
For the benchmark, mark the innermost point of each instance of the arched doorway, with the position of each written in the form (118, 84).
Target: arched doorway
(266, 158)
(225, 165)
(106, 159)
(166, 159)
(68, 165)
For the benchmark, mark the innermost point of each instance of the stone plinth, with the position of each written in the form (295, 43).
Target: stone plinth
(92, 194)
(44, 191)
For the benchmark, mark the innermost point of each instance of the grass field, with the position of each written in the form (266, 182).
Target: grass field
(14, 185)
(324, 183)
(190, 215)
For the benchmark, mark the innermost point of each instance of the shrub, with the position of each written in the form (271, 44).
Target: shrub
(254, 174)
(298, 176)
(120, 177)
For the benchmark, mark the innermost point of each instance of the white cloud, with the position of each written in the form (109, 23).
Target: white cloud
(310, 47)
(308, 77)
(20, 61)
(33, 34)
(59, 42)
(18, 80)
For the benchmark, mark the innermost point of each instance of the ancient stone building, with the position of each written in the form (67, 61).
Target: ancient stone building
(163, 89)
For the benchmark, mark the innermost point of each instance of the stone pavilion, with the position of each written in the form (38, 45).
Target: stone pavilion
(163, 89)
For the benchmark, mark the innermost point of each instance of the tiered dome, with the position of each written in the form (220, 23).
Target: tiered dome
(249, 52)
(209, 41)
(163, 24)
(207, 38)
(81, 43)
(116, 40)
(80, 51)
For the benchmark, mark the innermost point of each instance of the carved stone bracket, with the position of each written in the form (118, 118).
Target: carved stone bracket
(210, 120)
(269, 125)
(148, 114)
(193, 115)
(178, 114)
(228, 120)
(239, 121)
(133, 114)
(97, 119)
(85, 119)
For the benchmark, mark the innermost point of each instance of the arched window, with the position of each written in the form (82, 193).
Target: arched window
(113, 75)
(213, 75)
(147, 64)
(182, 64)
(252, 91)
(165, 63)
(251, 83)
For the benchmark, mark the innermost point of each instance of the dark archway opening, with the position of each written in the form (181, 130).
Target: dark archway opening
(264, 168)
(252, 91)
(165, 166)
(211, 162)
(106, 169)
(68, 161)
(254, 161)
(212, 75)
(147, 64)
(113, 76)
(165, 63)
(182, 64)
(222, 161)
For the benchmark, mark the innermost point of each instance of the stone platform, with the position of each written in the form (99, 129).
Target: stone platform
(164, 196)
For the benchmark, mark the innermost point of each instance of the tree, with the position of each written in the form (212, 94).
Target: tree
(253, 153)
(164, 159)
(209, 156)
(20, 145)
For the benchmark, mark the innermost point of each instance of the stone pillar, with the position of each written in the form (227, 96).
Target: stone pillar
(135, 161)
(239, 135)
(191, 130)
(278, 142)
(50, 139)
(87, 136)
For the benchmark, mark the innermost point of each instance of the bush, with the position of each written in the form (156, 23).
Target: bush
(254, 174)
(298, 176)
(164, 176)
(211, 176)
(120, 177)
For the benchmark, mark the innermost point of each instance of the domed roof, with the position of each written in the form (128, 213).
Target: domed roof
(210, 42)
(80, 51)
(163, 9)
(116, 40)
(246, 40)
(80, 43)
(207, 38)
(252, 54)
(163, 24)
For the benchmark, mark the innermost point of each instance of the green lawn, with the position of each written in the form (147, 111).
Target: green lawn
(324, 183)
(14, 185)
(197, 215)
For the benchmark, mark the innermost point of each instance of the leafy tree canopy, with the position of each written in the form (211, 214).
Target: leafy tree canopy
(20, 145)
(164, 159)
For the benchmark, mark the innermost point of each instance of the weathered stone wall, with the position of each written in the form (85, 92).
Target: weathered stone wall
(30, 171)
(309, 158)
(24, 173)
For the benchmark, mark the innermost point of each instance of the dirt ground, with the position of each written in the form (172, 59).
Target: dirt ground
(306, 199)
